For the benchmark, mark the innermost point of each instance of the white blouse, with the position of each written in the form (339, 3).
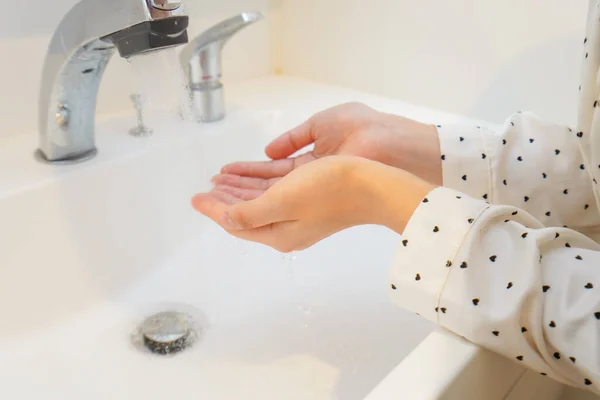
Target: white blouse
(505, 254)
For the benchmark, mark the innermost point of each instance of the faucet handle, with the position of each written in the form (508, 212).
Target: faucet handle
(224, 30)
(201, 64)
(220, 33)
(209, 44)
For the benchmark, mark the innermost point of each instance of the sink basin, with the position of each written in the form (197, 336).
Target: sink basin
(88, 251)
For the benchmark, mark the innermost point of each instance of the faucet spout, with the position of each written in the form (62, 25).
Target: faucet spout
(83, 44)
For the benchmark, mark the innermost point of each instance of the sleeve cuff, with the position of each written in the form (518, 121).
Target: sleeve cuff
(465, 160)
(420, 271)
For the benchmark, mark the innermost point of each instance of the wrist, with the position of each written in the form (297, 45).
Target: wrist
(395, 195)
(416, 148)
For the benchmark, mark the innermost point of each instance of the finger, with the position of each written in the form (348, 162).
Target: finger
(261, 234)
(244, 181)
(282, 236)
(291, 141)
(253, 214)
(278, 235)
(304, 159)
(233, 214)
(215, 205)
(226, 198)
(240, 193)
(259, 169)
(267, 169)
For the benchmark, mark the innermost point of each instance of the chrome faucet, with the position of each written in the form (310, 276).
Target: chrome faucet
(201, 63)
(76, 59)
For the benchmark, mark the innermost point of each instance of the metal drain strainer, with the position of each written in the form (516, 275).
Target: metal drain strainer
(167, 332)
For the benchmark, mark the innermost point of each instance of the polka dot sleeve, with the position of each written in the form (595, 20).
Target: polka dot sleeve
(531, 164)
(502, 280)
(466, 160)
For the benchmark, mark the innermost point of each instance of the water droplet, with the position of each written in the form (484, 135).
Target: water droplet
(290, 256)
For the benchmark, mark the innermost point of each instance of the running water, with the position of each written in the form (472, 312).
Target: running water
(161, 86)
(291, 257)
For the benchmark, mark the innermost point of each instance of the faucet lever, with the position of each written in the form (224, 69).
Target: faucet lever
(201, 63)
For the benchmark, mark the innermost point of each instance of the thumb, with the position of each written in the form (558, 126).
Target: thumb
(291, 141)
(252, 214)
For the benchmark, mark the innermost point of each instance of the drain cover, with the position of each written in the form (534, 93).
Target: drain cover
(167, 332)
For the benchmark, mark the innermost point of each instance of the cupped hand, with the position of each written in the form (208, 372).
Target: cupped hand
(313, 202)
(352, 129)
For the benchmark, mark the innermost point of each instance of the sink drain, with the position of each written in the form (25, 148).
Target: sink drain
(167, 332)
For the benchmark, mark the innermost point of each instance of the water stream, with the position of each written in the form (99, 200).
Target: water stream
(160, 86)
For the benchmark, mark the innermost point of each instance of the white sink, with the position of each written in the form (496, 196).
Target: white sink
(87, 251)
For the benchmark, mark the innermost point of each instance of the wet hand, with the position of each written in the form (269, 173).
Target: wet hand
(352, 129)
(313, 202)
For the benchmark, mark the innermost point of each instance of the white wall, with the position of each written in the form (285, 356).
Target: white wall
(484, 59)
(480, 58)
(25, 31)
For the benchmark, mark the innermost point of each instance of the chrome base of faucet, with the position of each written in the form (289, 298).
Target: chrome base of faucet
(39, 156)
(208, 104)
